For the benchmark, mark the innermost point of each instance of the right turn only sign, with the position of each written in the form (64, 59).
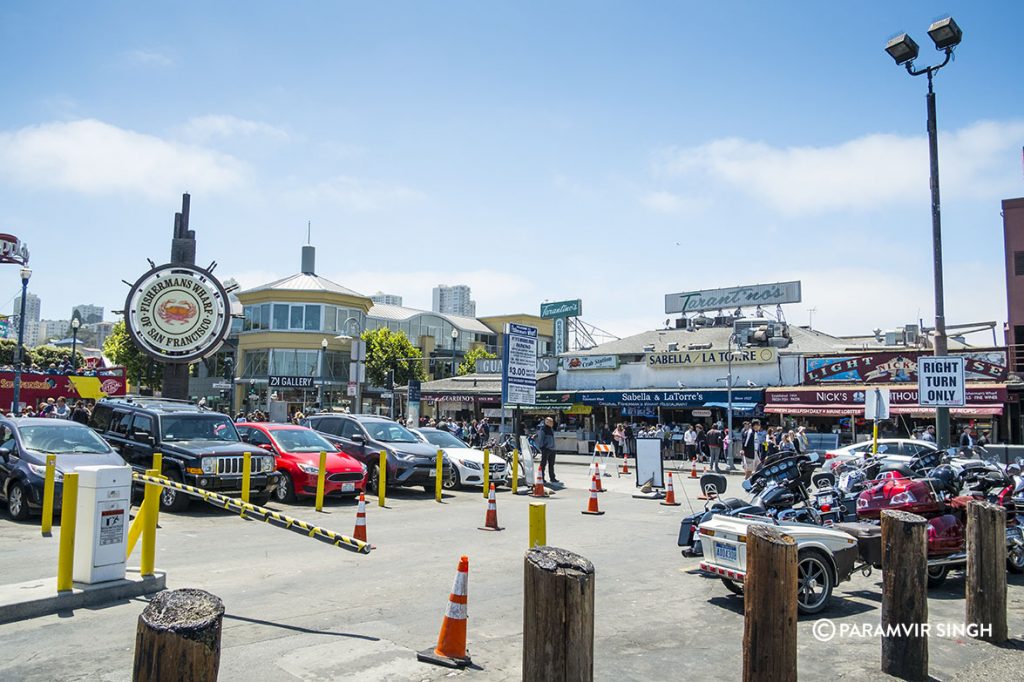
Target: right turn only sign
(941, 381)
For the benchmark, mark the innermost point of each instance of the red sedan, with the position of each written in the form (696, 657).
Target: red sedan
(298, 449)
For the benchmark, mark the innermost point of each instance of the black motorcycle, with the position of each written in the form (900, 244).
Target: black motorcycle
(780, 491)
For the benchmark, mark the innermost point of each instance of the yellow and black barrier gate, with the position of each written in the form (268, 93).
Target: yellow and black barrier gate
(261, 514)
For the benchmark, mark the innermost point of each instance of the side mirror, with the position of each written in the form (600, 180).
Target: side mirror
(266, 446)
(746, 485)
(359, 439)
(5, 453)
(244, 437)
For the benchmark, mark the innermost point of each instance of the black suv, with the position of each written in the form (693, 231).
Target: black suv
(411, 462)
(200, 448)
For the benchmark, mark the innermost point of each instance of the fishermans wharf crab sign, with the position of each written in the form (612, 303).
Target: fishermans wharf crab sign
(178, 313)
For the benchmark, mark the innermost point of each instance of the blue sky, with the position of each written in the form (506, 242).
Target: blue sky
(612, 151)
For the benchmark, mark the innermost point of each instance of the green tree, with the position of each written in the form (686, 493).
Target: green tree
(141, 369)
(44, 356)
(468, 364)
(387, 350)
(7, 347)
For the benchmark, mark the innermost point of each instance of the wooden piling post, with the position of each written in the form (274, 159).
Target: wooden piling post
(986, 571)
(904, 595)
(178, 638)
(558, 616)
(769, 606)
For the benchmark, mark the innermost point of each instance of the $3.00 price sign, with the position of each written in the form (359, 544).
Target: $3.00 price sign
(519, 379)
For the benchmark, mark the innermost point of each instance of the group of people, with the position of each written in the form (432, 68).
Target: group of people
(758, 445)
(59, 409)
(64, 367)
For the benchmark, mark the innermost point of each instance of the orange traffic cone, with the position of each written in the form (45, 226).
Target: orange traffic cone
(592, 506)
(538, 483)
(360, 531)
(670, 494)
(491, 520)
(693, 468)
(451, 642)
(625, 463)
(595, 474)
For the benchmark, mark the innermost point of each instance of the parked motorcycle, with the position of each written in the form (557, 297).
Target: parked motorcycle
(780, 492)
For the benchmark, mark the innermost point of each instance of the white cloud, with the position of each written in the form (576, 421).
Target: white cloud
(149, 58)
(666, 202)
(979, 161)
(93, 157)
(203, 128)
(357, 194)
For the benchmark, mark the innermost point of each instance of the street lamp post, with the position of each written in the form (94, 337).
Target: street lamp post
(358, 403)
(728, 423)
(455, 340)
(946, 35)
(19, 358)
(323, 373)
(76, 322)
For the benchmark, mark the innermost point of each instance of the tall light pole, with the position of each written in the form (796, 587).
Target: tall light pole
(455, 340)
(728, 424)
(946, 35)
(323, 373)
(357, 339)
(19, 358)
(76, 323)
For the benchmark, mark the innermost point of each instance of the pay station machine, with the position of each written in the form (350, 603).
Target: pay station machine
(104, 500)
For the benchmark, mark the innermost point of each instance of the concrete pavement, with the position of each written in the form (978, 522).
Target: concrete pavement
(301, 610)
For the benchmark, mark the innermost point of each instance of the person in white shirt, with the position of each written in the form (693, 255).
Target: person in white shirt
(690, 443)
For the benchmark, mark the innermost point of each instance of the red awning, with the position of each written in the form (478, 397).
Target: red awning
(804, 410)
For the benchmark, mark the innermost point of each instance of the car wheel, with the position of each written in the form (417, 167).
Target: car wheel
(17, 502)
(373, 480)
(733, 586)
(937, 575)
(285, 491)
(814, 583)
(452, 481)
(172, 500)
(1015, 559)
(260, 500)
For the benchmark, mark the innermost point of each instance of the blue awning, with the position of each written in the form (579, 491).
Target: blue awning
(736, 407)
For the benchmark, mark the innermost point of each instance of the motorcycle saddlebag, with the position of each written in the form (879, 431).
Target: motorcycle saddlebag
(869, 540)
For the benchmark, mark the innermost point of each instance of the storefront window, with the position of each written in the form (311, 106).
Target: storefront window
(336, 365)
(296, 363)
(312, 318)
(255, 363)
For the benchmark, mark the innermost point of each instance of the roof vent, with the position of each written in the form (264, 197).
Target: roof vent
(649, 348)
(699, 346)
(673, 346)
(308, 260)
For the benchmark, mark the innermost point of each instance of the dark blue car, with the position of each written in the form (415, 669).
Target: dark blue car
(24, 445)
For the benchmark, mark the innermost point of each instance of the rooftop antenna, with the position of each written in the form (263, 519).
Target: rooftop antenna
(810, 317)
(309, 232)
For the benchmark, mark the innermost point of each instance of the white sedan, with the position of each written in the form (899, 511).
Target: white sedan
(903, 449)
(467, 463)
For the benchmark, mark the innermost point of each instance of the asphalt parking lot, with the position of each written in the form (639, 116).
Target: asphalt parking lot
(298, 609)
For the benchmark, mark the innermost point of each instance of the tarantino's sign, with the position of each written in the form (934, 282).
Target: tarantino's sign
(733, 297)
(897, 367)
(700, 358)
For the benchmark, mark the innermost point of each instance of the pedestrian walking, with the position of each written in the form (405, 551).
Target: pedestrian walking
(714, 441)
(545, 442)
(749, 447)
(690, 443)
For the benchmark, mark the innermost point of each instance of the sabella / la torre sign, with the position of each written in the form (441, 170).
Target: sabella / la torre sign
(734, 297)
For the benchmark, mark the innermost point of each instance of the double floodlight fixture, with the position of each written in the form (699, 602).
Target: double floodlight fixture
(945, 33)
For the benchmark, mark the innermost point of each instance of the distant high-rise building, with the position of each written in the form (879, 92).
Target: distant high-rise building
(102, 330)
(53, 329)
(386, 299)
(32, 306)
(453, 300)
(90, 314)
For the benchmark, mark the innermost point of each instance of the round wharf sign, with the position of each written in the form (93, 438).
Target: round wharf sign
(178, 313)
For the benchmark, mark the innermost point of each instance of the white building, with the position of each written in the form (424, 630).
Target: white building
(453, 300)
(90, 314)
(53, 329)
(102, 331)
(386, 299)
(32, 307)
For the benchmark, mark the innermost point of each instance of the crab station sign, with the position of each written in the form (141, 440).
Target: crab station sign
(178, 313)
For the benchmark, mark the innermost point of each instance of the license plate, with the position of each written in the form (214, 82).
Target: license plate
(433, 473)
(348, 487)
(827, 499)
(725, 552)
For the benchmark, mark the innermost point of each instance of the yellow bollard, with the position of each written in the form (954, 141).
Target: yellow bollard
(439, 474)
(515, 471)
(150, 512)
(874, 439)
(382, 479)
(51, 472)
(135, 530)
(487, 471)
(320, 481)
(538, 524)
(158, 463)
(68, 516)
(246, 473)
